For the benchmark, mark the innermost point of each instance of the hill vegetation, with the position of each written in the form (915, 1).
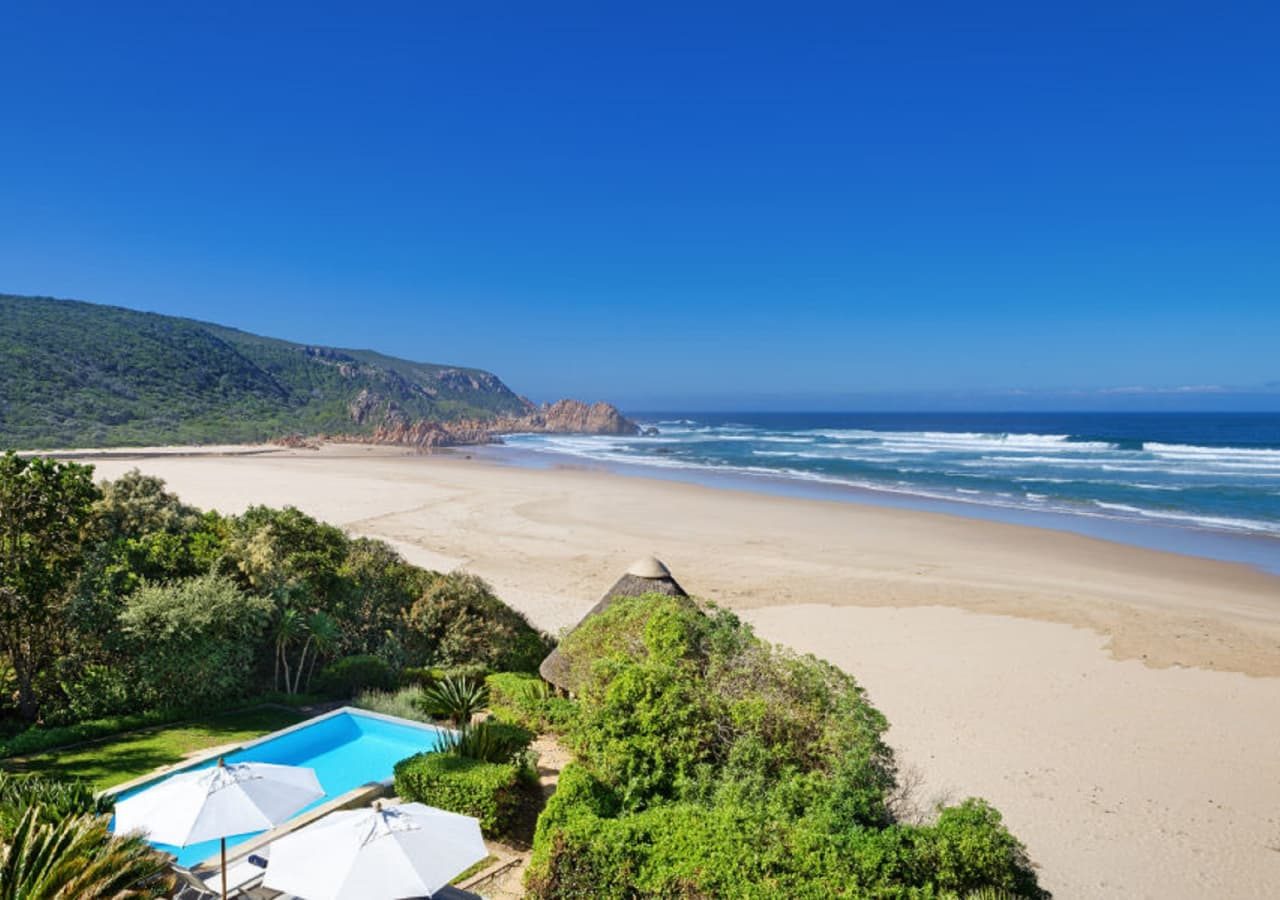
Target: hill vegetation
(77, 374)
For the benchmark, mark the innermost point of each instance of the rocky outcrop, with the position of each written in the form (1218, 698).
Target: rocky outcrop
(391, 426)
(575, 417)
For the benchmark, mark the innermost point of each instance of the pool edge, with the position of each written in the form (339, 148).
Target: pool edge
(215, 752)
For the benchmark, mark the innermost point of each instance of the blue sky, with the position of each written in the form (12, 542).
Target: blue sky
(684, 205)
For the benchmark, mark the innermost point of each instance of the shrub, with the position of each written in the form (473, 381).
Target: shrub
(193, 641)
(53, 798)
(418, 676)
(455, 699)
(459, 621)
(353, 674)
(405, 703)
(426, 676)
(95, 690)
(695, 741)
(41, 738)
(487, 791)
(490, 741)
(526, 700)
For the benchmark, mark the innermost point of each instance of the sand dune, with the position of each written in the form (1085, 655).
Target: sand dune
(1120, 705)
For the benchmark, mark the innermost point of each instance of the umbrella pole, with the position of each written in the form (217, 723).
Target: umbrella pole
(224, 869)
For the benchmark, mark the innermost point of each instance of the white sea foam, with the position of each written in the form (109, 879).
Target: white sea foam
(899, 462)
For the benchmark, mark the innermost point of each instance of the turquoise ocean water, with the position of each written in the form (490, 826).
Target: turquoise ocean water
(1200, 483)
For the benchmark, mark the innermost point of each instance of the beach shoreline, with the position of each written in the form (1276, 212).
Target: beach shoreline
(1115, 703)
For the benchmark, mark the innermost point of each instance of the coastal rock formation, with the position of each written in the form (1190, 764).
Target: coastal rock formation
(392, 426)
(576, 417)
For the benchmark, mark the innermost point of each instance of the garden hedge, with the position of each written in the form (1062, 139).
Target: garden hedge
(526, 701)
(487, 791)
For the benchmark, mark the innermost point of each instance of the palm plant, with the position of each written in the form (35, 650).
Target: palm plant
(79, 857)
(456, 699)
(288, 629)
(323, 634)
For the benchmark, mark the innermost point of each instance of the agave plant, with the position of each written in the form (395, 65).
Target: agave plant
(455, 699)
(494, 742)
(79, 857)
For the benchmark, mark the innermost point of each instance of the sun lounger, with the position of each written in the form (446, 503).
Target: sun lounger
(190, 887)
(242, 873)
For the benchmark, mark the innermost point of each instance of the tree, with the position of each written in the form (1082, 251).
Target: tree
(286, 631)
(136, 504)
(323, 635)
(45, 511)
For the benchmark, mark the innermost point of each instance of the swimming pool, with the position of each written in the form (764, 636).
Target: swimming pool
(347, 748)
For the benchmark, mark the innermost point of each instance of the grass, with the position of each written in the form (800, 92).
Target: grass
(405, 703)
(476, 869)
(126, 756)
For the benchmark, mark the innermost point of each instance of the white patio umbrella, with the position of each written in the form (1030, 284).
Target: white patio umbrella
(409, 850)
(219, 802)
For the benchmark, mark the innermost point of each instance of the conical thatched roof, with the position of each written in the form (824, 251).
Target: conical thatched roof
(644, 576)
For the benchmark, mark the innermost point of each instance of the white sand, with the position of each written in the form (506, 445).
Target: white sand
(1070, 681)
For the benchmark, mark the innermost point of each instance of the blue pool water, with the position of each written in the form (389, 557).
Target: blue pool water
(347, 750)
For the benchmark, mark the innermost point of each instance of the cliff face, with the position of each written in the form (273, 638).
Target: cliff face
(561, 417)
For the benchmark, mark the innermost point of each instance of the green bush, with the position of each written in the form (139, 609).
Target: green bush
(487, 791)
(418, 676)
(711, 764)
(429, 676)
(406, 703)
(526, 700)
(53, 798)
(193, 641)
(458, 621)
(490, 741)
(353, 674)
(42, 738)
(95, 690)
(693, 850)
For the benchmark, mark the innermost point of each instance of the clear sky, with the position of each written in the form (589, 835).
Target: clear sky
(673, 205)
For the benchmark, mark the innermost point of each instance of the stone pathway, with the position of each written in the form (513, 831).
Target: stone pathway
(505, 880)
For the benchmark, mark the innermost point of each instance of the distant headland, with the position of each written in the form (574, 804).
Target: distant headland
(76, 374)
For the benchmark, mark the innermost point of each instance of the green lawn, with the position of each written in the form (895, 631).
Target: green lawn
(126, 756)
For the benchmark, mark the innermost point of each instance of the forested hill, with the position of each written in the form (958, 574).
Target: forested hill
(78, 374)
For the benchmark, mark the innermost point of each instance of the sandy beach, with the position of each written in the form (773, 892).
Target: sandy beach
(1121, 706)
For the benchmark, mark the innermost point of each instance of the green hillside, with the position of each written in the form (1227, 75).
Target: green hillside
(78, 374)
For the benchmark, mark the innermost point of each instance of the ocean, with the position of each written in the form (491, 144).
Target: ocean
(1189, 482)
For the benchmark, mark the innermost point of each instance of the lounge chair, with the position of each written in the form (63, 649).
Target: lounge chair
(242, 874)
(190, 887)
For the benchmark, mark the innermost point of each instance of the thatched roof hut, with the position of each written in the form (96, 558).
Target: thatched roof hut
(644, 576)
